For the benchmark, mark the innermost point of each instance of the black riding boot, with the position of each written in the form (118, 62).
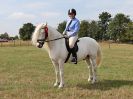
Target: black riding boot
(74, 56)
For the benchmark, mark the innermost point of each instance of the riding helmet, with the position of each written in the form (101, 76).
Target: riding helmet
(71, 11)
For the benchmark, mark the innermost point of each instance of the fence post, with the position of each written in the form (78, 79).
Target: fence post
(1, 44)
(14, 42)
(28, 43)
(109, 44)
(20, 42)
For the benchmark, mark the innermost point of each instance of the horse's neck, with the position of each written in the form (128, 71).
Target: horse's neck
(53, 34)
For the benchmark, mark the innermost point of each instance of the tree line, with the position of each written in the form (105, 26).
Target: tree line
(119, 27)
(7, 37)
(25, 33)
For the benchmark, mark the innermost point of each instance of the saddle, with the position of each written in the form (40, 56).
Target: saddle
(69, 49)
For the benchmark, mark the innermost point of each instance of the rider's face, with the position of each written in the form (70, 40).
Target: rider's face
(71, 16)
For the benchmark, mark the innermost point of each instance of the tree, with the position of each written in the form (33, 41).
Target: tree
(61, 27)
(105, 17)
(14, 38)
(117, 27)
(84, 28)
(128, 35)
(93, 30)
(26, 31)
(4, 36)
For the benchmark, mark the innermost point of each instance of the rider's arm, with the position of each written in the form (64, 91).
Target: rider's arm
(64, 32)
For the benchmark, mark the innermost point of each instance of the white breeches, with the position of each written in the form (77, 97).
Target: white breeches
(72, 41)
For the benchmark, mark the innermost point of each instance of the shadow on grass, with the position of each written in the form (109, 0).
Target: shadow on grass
(106, 84)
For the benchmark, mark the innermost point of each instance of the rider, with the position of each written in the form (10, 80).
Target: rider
(71, 31)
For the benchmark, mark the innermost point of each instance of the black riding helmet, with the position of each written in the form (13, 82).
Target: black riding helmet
(71, 11)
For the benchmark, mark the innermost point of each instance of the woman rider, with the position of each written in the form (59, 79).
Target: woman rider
(71, 31)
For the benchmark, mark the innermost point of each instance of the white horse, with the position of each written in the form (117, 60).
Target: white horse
(89, 50)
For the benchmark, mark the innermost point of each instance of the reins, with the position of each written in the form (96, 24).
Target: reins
(42, 40)
(55, 39)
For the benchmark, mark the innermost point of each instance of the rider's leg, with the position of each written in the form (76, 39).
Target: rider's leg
(74, 56)
(72, 41)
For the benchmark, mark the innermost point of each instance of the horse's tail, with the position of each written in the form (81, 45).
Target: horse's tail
(99, 56)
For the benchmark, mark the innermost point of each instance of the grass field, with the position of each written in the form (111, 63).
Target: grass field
(27, 73)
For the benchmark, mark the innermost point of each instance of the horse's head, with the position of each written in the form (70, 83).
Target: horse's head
(44, 33)
(40, 35)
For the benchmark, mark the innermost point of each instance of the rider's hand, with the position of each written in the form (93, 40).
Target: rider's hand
(66, 36)
(64, 33)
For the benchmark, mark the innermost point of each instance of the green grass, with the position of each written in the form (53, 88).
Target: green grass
(27, 73)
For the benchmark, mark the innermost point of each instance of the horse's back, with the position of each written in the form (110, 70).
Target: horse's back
(87, 46)
(88, 41)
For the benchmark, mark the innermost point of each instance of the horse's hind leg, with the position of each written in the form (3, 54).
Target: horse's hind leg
(93, 64)
(90, 69)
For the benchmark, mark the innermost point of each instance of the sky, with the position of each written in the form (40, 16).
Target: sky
(14, 13)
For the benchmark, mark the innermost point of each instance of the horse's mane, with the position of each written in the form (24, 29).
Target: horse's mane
(36, 34)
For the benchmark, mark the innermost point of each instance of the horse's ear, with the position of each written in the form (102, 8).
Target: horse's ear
(46, 24)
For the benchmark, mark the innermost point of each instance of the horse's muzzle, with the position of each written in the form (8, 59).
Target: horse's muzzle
(41, 43)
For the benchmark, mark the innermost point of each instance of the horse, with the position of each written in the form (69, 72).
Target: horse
(50, 39)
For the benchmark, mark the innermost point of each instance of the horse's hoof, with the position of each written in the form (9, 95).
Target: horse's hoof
(56, 84)
(61, 86)
(93, 81)
(90, 79)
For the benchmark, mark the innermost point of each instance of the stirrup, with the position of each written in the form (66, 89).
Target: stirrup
(74, 60)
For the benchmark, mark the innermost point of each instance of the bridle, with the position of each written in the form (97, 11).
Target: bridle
(41, 41)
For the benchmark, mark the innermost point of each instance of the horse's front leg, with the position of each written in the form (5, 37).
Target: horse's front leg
(56, 66)
(61, 69)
